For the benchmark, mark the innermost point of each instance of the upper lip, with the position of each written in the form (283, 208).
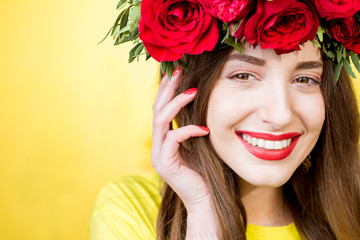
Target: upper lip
(268, 136)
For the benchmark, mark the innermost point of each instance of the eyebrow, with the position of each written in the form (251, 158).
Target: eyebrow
(309, 65)
(261, 62)
(247, 58)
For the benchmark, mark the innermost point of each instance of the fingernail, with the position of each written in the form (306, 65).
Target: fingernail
(177, 70)
(165, 74)
(190, 91)
(204, 128)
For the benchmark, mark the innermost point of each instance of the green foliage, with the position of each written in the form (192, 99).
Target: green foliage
(337, 71)
(167, 67)
(125, 28)
(228, 36)
(233, 42)
(355, 60)
(338, 54)
(320, 33)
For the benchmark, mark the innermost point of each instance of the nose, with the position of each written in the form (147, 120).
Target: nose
(276, 108)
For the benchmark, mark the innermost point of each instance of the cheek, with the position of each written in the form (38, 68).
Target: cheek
(227, 107)
(312, 111)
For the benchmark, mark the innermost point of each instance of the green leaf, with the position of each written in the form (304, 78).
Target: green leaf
(225, 38)
(225, 28)
(183, 65)
(124, 29)
(231, 41)
(163, 67)
(345, 54)
(167, 67)
(316, 43)
(132, 55)
(135, 14)
(134, 34)
(148, 56)
(338, 55)
(337, 71)
(116, 32)
(320, 34)
(120, 40)
(139, 49)
(234, 27)
(330, 54)
(105, 36)
(355, 60)
(117, 21)
(120, 3)
(347, 67)
(125, 18)
(170, 69)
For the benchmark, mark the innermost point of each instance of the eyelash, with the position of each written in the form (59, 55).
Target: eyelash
(309, 79)
(235, 76)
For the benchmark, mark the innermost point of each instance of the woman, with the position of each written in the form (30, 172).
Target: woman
(266, 147)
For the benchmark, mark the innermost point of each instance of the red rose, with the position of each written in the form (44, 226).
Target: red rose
(280, 25)
(345, 31)
(229, 10)
(169, 29)
(331, 9)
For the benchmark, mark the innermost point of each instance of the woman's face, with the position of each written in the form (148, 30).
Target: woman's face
(266, 112)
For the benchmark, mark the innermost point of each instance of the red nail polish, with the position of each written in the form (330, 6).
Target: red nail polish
(165, 74)
(190, 91)
(177, 70)
(204, 128)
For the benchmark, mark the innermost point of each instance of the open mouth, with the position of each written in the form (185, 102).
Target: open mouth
(268, 146)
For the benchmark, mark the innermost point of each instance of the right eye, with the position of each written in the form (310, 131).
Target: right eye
(242, 76)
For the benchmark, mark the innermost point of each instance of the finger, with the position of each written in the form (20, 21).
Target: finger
(169, 150)
(163, 82)
(167, 91)
(162, 120)
(188, 184)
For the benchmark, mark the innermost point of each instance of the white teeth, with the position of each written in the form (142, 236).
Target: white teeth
(254, 141)
(278, 145)
(267, 144)
(261, 143)
(245, 137)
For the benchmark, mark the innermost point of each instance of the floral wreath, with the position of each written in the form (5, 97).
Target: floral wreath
(166, 30)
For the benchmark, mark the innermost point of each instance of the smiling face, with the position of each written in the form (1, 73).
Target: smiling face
(266, 111)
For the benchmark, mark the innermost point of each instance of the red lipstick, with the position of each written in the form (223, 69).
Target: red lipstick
(270, 154)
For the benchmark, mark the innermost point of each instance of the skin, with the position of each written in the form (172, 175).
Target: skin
(263, 92)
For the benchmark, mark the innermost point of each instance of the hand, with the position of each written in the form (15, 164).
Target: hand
(165, 157)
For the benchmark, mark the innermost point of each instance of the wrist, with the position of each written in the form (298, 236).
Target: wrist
(202, 222)
(202, 236)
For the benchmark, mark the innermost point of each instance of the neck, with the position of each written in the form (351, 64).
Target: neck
(265, 206)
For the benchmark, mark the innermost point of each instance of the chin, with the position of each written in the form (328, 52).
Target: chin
(273, 179)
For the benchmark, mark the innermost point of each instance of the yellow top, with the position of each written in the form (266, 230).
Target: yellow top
(127, 209)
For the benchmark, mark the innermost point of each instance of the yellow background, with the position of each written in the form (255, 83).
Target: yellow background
(73, 115)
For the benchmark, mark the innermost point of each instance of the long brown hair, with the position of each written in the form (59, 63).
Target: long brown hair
(325, 201)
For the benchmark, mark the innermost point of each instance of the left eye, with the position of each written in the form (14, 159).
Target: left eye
(306, 80)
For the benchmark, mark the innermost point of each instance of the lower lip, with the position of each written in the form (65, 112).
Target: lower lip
(270, 155)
